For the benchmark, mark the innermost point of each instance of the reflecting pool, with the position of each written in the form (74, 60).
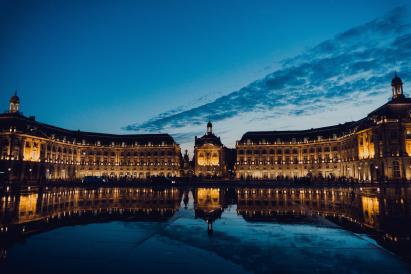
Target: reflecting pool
(206, 230)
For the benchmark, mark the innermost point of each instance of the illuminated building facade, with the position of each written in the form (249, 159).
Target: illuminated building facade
(32, 151)
(209, 155)
(377, 147)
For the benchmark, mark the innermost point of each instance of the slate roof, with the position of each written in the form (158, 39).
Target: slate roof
(208, 138)
(28, 125)
(395, 109)
(399, 108)
(299, 135)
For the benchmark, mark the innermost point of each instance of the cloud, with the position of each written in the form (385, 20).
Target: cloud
(352, 70)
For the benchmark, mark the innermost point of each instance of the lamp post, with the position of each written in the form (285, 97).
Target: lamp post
(376, 173)
(9, 171)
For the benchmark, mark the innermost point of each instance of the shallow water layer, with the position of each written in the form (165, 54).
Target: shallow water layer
(203, 230)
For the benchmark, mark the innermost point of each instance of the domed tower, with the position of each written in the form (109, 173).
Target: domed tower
(14, 106)
(209, 127)
(209, 157)
(396, 84)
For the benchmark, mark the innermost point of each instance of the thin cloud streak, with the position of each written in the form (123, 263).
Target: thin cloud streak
(351, 70)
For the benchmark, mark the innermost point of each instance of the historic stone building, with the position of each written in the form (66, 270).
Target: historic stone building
(377, 147)
(30, 150)
(209, 155)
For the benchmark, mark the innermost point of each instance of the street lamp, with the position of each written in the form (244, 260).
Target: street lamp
(9, 170)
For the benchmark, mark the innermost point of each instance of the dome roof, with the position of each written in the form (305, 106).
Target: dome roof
(396, 80)
(14, 98)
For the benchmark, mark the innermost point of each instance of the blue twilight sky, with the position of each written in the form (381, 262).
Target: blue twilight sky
(167, 66)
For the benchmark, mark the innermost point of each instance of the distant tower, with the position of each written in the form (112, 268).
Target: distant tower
(186, 160)
(209, 127)
(396, 84)
(14, 103)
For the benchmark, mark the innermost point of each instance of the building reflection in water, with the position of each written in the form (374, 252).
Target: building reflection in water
(27, 213)
(208, 205)
(384, 213)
